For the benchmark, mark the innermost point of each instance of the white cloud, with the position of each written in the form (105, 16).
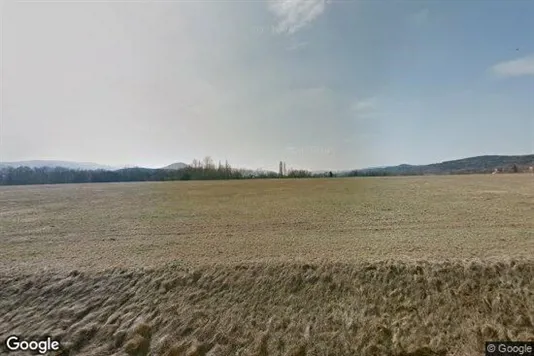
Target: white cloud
(516, 67)
(420, 17)
(365, 105)
(297, 46)
(293, 15)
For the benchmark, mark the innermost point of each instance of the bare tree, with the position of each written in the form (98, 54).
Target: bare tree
(208, 163)
(227, 169)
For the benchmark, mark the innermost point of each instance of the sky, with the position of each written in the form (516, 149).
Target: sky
(318, 84)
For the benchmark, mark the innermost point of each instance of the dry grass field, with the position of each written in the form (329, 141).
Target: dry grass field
(363, 266)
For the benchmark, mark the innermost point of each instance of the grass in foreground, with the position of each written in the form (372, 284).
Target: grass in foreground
(386, 308)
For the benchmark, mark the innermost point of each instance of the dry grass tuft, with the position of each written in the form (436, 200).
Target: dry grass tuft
(137, 346)
(143, 329)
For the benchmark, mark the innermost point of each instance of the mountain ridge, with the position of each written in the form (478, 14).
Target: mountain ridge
(57, 163)
(176, 165)
(474, 164)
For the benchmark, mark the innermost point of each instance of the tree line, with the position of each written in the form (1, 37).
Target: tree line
(198, 170)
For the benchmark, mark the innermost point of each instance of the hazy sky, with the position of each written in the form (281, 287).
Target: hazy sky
(319, 84)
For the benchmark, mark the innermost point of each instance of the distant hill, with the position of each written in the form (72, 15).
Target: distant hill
(51, 163)
(479, 164)
(177, 165)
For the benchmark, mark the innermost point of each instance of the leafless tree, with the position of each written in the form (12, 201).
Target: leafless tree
(208, 163)
(227, 169)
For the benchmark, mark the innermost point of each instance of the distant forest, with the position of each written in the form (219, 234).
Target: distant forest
(207, 170)
(198, 170)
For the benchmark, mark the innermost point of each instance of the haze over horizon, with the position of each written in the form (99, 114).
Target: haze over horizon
(321, 85)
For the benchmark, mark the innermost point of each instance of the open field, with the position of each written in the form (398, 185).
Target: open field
(350, 220)
(361, 266)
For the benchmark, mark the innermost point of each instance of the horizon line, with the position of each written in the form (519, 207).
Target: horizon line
(378, 166)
